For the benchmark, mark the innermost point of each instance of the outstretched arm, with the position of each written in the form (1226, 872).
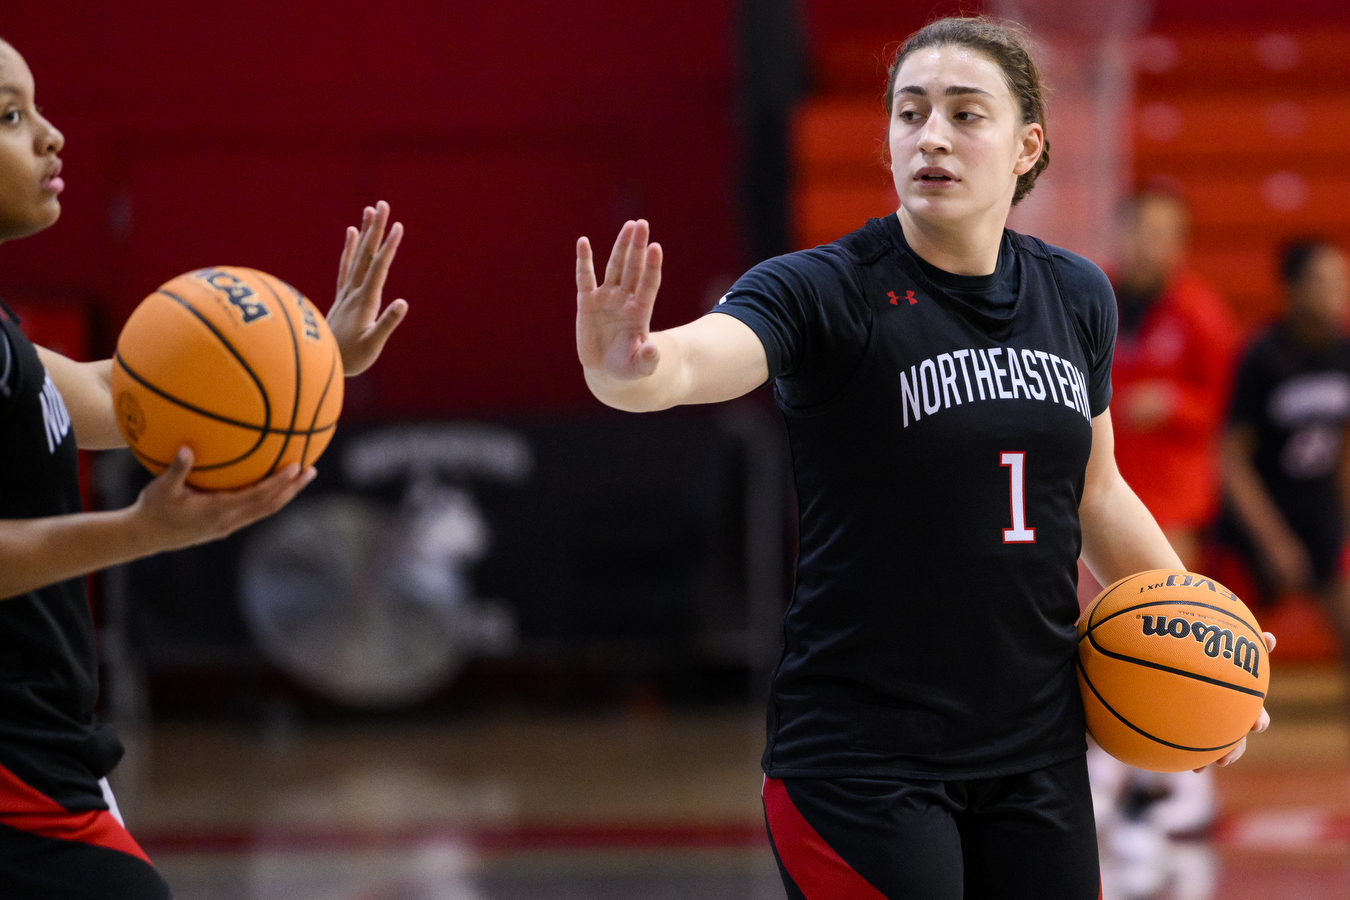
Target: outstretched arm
(167, 515)
(629, 367)
(1120, 536)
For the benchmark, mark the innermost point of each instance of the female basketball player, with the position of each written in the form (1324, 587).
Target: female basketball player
(61, 837)
(945, 385)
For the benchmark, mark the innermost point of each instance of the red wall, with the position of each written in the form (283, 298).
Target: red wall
(498, 131)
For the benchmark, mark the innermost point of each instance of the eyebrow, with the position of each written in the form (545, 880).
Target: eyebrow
(954, 90)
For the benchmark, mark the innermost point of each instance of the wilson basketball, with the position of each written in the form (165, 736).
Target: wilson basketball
(235, 364)
(1173, 670)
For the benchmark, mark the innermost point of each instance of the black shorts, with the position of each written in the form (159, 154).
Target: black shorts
(50, 853)
(1028, 836)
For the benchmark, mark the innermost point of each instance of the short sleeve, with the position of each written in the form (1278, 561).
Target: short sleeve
(1093, 301)
(807, 310)
(1249, 389)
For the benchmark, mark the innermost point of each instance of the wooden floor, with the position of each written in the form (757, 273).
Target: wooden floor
(623, 806)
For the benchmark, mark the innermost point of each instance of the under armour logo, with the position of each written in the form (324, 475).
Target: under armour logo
(909, 295)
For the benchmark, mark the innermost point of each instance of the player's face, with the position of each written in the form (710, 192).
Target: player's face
(957, 140)
(1323, 293)
(30, 171)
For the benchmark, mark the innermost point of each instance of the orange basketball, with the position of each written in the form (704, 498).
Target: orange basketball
(1172, 668)
(234, 363)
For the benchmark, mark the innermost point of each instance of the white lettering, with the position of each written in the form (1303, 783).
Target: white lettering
(998, 373)
(909, 396)
(982, 375)
(1049, 374)
(961, 355)
(1056, 362)
(929, 371)
(1015, 375)
(947, 366)
(1029, 363)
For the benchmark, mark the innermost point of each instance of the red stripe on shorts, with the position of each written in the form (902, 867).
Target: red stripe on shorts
(819, 872)
(28, 809)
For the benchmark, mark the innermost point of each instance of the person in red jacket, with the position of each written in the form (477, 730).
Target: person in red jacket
(1172, 369)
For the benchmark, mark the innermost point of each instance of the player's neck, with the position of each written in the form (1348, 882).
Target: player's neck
(955, 247)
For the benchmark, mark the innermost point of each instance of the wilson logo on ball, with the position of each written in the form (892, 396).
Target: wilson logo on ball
(1244, 653)
(237, 293)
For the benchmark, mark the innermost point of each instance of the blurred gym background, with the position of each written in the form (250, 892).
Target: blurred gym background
(513, 643)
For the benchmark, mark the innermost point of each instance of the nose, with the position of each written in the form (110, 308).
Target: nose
(49, 138)
(934, 136)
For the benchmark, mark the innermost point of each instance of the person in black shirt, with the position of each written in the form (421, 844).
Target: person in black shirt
(945, 385)
(61, 837)
(1284, 449)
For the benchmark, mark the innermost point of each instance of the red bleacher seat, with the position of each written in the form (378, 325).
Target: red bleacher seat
(1200, 61)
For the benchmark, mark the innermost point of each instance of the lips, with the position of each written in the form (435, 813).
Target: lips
(53, 181)
(934, 176)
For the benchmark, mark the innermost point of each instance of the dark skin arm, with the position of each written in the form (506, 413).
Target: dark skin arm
(1281, 549)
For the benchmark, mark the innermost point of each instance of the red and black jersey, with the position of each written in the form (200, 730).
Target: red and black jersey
(940, 429)
(48, 673)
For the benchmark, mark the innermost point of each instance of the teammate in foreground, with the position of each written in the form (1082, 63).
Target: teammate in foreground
(945, 385)
(61, 837)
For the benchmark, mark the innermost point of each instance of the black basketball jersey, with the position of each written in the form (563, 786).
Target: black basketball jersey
(1296, 399)
(930, 633)
(48, 672)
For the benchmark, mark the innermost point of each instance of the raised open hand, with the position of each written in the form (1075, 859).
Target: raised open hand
(355, 318)
(614, 318)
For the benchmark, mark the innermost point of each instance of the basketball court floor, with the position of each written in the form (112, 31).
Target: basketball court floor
(652, 805)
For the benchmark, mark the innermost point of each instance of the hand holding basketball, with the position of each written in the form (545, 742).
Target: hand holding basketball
(170, 515)
(1262, 721)
(1174, 671)
(614, 318)
(355, 318)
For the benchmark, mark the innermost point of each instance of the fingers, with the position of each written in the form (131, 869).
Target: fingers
(260, 500)
(372, 232)
(384, 326)
(175, 476)
(1262, 721)
(636, 263)
(650, 282)
(619, 255)
(585, 267)
(1270, 641)
(348, 252)
(384, 258)
(1233, 755)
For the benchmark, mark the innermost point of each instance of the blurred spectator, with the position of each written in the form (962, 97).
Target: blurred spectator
(1170, 376)
(1285, 445)
(1171, 372)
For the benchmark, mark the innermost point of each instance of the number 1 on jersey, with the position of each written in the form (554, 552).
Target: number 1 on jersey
(1019, 533)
